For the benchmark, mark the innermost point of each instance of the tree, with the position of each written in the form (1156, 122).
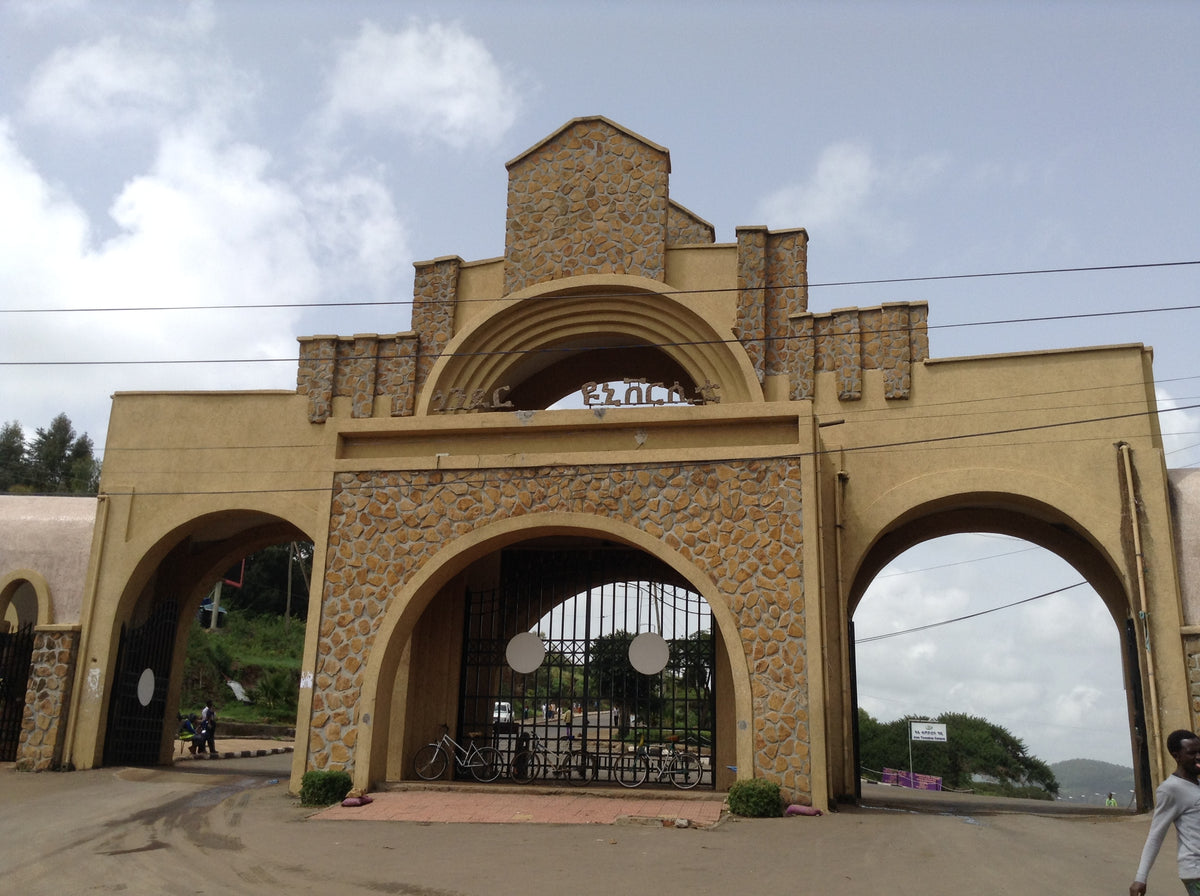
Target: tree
(12, 456)
(265, 580)
(974, 747)
(614, 678)
(56, 462)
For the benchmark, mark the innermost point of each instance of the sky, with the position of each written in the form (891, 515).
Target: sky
(161, 156)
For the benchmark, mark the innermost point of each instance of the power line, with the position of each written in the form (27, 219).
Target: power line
(574, 349)
(619, 294)
(582, 470)
(921, 628)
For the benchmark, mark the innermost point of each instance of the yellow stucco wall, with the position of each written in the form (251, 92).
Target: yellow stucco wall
(835, 443)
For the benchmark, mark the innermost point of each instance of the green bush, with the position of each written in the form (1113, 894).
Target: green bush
(755, 798)
(324, 788)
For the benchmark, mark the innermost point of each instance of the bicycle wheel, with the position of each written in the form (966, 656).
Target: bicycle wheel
(526, 767)
(487, 765)
(581, 767)
(686, 771)
(430, 762)
(631, 769)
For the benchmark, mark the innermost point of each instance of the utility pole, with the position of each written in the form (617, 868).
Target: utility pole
(215, 600)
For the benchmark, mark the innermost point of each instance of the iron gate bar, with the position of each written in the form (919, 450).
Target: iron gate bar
(16, 656)
(587, 605)
(135, 730)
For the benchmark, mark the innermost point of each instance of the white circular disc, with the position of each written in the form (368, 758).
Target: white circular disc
(145, 689)
(525, 652)
(649, 653)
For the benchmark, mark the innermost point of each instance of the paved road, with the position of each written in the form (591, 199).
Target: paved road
(229, 827)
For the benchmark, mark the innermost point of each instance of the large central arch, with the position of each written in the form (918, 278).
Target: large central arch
(386, 745)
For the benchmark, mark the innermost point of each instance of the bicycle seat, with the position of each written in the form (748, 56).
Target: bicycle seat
(474, 734)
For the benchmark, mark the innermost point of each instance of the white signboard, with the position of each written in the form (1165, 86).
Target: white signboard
(932, 731)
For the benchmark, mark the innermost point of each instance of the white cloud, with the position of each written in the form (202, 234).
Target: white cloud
(1180, 424)
(105, 84)
(427, 82)
(1049, 671)
(848, 196)
(207, 225)
(362, 243)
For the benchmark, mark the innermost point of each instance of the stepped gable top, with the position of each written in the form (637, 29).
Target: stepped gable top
(590, 199)
(587, 120)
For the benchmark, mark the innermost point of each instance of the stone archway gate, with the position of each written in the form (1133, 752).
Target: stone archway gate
(767, 449)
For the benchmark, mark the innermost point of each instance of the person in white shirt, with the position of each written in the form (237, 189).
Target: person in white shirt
(1177, 801)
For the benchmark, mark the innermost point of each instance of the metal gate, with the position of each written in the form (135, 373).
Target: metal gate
(137, 713)
(16, 653)
(551, 660)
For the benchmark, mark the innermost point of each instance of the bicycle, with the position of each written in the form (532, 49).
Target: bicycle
(681, 768)
(484, 763)
(575, 764)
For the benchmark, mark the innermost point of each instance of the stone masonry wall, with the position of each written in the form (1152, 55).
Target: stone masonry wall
(590, 200)
(890, 338)
(1191, 650)
(685, 229)
(435, 292)
(47, 697)
(359, 368)
(772, 292)
(744, 525)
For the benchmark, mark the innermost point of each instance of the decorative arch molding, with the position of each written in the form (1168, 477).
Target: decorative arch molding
(502, 349)
(1036, 508)
(11, 581)
(411, 601)
(226, 534)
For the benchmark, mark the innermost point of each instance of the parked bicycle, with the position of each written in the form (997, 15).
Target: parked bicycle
(484, 763)
(575, 764)
(681, 768)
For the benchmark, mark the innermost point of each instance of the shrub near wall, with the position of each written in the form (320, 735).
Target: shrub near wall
(324, 788)
(756, 798)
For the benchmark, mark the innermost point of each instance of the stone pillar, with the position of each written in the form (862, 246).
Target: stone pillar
(48, 698)
(435, 292)
(314, 376)
(751, 327)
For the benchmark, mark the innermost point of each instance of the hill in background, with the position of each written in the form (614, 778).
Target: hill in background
(1088, 781)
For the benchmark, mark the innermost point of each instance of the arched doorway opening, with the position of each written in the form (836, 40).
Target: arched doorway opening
(567, 643)
(149, 641)
(21, 598)
(1001, 615)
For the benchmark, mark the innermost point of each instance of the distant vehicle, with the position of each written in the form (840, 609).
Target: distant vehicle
(502, 714)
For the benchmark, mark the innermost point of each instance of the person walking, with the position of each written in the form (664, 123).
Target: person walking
(208, 722)
(1176, 801)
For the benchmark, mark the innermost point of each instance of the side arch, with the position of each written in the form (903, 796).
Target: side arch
(410, 602)
(11, 583)
(537, 327)
(176, 558)
(1028, 505)
(1037, 508)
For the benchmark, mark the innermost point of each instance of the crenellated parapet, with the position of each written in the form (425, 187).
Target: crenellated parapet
(849, 341)
(588, 208)
(362, 368)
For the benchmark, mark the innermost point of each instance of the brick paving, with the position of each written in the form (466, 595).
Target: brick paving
(511, 805)
(500, 804)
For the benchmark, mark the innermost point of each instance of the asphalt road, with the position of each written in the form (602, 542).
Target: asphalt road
(230, 827)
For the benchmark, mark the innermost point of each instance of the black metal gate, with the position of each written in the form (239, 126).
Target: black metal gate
(16, 653)
(137, 713)
(551, 659)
